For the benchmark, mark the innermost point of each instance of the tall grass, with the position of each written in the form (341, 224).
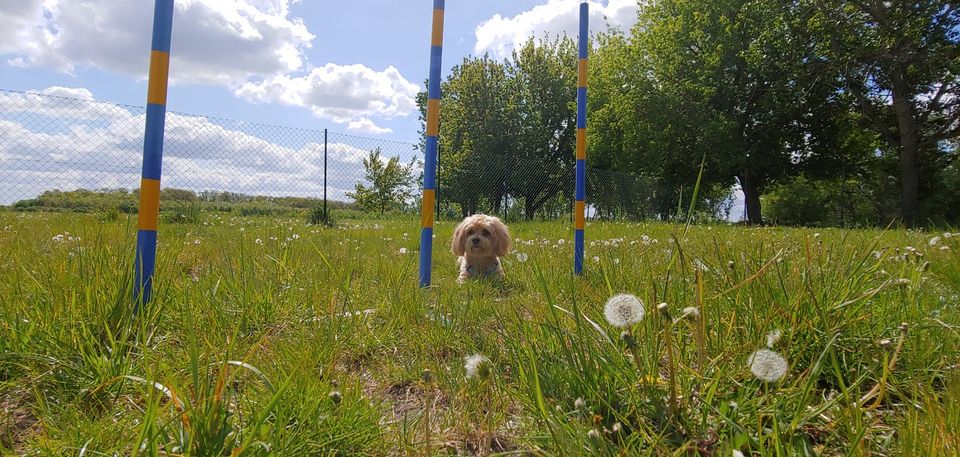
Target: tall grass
(273, 337)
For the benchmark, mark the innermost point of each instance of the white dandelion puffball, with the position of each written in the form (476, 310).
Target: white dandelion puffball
(767, 365)
(691, 312)
(773, 338)
(934, 241)
(623, 310)
(477, 365)
(402, 251)
(522, 257)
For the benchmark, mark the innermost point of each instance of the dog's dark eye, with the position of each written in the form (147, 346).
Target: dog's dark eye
(486, 232)
(470, 232)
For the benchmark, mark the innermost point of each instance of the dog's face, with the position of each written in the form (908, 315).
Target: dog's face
(481, 236)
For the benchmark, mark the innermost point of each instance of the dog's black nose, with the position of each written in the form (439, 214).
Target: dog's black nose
(476, 241)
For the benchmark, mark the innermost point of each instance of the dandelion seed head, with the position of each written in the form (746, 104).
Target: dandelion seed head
(700, 265)
(934, 241)
(596, 259)
(737, 453)
(593, 434)
(335, 397)
(773, 338)
(402, 251)
(522, 256)
(691, 312)
(259, 241)
(579, 403)
(623, 310)
(767, 365)
(196, 241)
(477, 366)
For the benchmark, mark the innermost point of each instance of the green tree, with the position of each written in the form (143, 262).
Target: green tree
(508, 128)
(735, 83)
(900, 65)
(544, 84)
(391, 183)
(475, 133)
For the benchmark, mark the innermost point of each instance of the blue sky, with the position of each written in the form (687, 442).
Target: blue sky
(353, 67)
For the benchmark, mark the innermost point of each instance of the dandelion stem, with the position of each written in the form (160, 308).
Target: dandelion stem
(488, 435)
(428, 381)
(671, 361)
(632, 345)
(701, 332)
(880, 390)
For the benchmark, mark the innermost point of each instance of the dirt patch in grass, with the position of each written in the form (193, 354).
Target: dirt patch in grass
(17, 422)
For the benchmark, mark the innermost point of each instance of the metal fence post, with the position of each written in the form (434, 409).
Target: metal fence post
(149, 211)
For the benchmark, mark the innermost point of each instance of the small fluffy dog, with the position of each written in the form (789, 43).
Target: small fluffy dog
(479, 241)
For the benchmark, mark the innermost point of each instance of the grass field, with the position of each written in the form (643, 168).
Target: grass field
(269, 336)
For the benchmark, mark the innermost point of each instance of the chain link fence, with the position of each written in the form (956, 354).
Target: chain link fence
(52, 146)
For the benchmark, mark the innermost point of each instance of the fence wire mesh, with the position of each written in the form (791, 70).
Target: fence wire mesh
(52, 145)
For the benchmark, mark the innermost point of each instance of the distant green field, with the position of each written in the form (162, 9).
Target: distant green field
(271, 337)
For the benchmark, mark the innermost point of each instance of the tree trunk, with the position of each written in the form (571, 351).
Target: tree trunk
(909, 150)
(751, 198)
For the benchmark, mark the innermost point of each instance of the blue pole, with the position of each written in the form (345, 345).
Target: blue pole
(430, 154)
(581, 173)
(149, 211)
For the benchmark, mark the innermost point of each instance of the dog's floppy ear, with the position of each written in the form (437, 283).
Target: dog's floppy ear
(457, 244)
(502, 235)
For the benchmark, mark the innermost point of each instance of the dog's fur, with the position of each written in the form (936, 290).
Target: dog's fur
(479, 242)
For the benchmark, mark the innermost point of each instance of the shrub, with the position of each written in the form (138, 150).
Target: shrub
(801, 201)
(182, 213)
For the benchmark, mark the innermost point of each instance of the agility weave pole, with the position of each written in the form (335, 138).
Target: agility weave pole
(430, 154)
(149, 211)
(579, 209)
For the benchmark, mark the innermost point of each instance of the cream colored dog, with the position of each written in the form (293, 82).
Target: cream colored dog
(479, 241)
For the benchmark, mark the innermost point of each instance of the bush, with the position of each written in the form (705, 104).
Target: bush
(261, 209)
(801, 201)
(316, 216)
(110, 214)
(182, 213)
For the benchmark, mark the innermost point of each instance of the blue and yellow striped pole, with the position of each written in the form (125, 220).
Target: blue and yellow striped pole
(430, 154)
(152, 152)
(581, 192)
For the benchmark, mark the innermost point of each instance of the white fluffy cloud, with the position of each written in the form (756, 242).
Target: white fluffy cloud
(499, 35)
(213, 42)
(346, 94)
(252, 47)
(58, 143)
